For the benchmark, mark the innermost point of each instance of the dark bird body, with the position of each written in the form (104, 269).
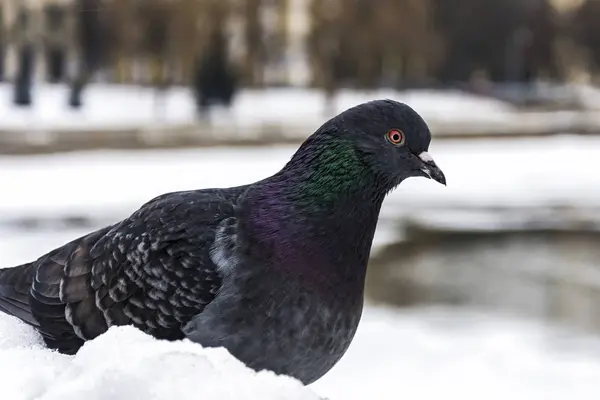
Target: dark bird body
(273, 271)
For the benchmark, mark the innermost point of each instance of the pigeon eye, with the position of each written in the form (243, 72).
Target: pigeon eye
(396, 137)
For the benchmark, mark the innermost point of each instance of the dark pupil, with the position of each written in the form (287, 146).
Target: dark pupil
(396, 137)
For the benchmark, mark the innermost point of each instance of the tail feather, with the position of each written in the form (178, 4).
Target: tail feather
(15, 285)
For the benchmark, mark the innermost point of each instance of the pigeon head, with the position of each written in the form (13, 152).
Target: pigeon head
(391, 138)
(374, 145)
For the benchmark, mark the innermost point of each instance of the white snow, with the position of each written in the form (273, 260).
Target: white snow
(503, 173)
(443, 353)
(21, 246)
(417, 354)
(121, 107)
(126, 364)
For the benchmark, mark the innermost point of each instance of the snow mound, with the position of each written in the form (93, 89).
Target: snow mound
(125, 363)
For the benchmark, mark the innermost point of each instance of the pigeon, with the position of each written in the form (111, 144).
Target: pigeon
(273, 271)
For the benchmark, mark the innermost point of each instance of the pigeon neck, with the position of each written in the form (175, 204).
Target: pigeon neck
(328, 179)
(317, 215)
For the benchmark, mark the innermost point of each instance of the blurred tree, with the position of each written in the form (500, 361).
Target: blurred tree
(2, 62)
(324, 47)
(23, 80)
(275, 40)
(89, 33)
(406, 39)
(254, 44)
(56, 64)
(121, 36)
(361, 36)
(3, 43)
(55, 40)
(154, 18)
(584, 28)
(534, 43)
(214, 82)
(510, 39)
(366, 44)
(546, 30)
(23, 34)
(190, 27)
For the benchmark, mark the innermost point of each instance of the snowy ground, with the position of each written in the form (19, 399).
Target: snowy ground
(423, 354)
(126, 116)
(118, 107)
(550, 179)
(125, 364)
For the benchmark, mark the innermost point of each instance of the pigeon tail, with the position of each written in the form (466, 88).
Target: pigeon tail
(14, 292)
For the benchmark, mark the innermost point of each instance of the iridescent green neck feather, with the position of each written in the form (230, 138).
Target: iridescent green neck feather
(336, 172)
(326, 174)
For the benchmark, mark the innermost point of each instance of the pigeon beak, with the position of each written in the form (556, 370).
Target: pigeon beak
(431, 169)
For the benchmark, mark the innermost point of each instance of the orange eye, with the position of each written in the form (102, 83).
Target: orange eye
(396, 136)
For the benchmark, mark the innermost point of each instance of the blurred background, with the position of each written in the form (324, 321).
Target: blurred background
(489, 286)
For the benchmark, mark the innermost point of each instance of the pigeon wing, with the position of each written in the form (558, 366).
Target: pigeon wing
(152, 270)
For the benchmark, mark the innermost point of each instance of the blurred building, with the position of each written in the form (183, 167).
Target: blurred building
(46, 25)
(146, 40)
(270, 42)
